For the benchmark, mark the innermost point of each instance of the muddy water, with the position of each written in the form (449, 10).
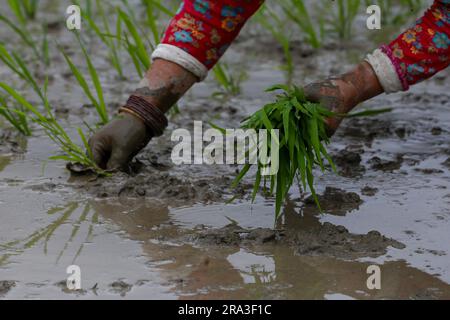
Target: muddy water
(166, 232)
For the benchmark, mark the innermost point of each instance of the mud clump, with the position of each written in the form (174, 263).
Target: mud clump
(6, 286)
(63, 286)
(428, 170)
(121, 287)
(369, 191)
(173, 187)
(10, 142)
(336, 201)
(446, 163)
(179, 189)
(386, 165)
(367, 129)
(336, 241)
(349, 163)
(436, 131)
(234, 235)
(325, 239)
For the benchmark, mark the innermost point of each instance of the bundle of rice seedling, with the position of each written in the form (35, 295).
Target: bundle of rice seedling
(301, 141)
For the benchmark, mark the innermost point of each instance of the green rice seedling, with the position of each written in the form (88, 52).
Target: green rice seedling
(134, 44)
(24, 10)
(152, 8)
(104, 33)
(229, 83)
(301, 142)
(297, 12)
(138, 26)
(22, 33)
(97, 100)
(71, 152)
(17, 65)
(16, 118)
(152, 21)
(344, 17)
(276, 26)
(30, 8)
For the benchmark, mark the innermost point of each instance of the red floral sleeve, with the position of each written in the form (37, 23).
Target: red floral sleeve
(424, 49)
(206, 28)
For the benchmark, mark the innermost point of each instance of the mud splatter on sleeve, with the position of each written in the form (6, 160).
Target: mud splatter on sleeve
(202, 30)
(418, 53)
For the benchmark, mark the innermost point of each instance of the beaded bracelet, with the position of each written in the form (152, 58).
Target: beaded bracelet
(154, 119)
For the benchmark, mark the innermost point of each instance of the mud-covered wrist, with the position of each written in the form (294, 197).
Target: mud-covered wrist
(359, 85)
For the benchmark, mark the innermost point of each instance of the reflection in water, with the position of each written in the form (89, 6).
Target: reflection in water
(44, 236)
(256, 271)
(4, 162)
(252, 271)
(253, 268)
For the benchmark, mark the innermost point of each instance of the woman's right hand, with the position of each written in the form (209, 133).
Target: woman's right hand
(343, 93)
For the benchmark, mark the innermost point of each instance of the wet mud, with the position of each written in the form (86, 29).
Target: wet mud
(167, 231)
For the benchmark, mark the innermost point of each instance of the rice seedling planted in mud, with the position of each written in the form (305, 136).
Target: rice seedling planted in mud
(301, 142)
(229, 82)
(98, 102)
(46, 120)
(71, 151)
(25, 36)
(24, 10)
(18, 66)
(276, 26)
(298, 13)
(153, 8)
(134, 44)
(104, 33)
(344, 16)
(16, 118)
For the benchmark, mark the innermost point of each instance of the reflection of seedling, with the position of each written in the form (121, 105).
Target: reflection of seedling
(98, 102)
(302, 139)
(45, 234)
(229, 82)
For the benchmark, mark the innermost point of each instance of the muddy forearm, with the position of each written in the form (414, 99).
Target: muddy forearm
(165, 83)
(195, 40)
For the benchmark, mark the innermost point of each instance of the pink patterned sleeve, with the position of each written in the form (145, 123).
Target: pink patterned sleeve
(418, 53)
(202, 30)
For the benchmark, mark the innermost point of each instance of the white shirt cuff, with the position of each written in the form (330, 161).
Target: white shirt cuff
(182, 58)
(385, 71)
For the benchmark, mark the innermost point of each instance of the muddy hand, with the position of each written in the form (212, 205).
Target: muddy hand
(118, 142)
(341, 94)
